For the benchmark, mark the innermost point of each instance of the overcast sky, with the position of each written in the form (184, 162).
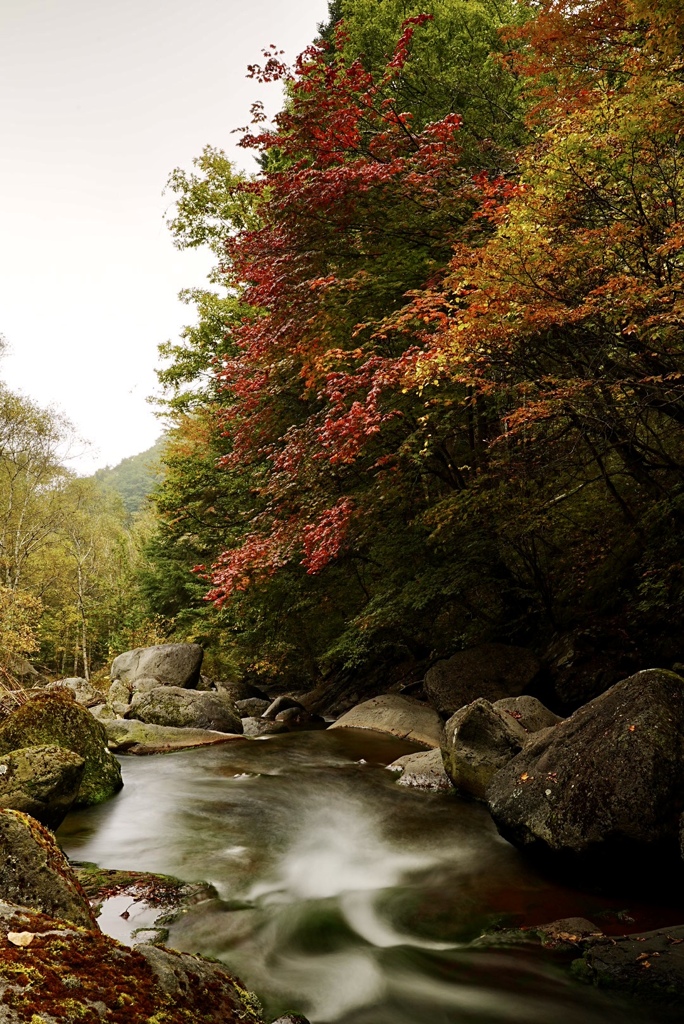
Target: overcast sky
(99, 101)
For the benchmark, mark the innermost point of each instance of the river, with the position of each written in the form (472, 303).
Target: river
(344, 896)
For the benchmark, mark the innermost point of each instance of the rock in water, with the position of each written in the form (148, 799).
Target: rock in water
(35, 872)
(133, 737)
(482, 737)
(492, 671)
(648, 965)
(168, 664)
(607, 781)
(403, 717)
(193, 709)
(54, 719)
(280, 704)
(41, 781)
(423, 771)
(65, 974)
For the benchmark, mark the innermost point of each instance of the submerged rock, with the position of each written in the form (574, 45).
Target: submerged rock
(424, 770)
(50, 971)
(186, 709)
(168, 664)
(41, 781)
(609, 780)
(648, 965)
(492, 671)
(482, 737)
(35, 873)
(403, 717)
(55, 719)
(133, 737)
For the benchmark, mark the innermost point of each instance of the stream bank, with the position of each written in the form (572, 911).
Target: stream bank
(344, 896)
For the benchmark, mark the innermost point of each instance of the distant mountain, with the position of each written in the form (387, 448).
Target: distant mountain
(135, 477)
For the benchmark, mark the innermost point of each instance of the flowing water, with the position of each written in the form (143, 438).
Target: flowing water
(342, 895)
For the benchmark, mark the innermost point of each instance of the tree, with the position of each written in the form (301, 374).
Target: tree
(322, 446)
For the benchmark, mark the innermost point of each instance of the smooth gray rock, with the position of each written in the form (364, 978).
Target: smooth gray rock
(82, 690)
(282, 703)
(528, 712)
(262, 727)
(41, 781)
(169, 664)
(403, 717)
(186, 709)
(119, 696)
(482, 737)
(252, 707)
(422, 771)
(492, 671)
(607, 780)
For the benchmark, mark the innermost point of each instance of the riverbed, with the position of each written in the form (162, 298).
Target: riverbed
(344, 896)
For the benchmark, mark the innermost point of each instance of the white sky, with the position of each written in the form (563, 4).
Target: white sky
(99, 101)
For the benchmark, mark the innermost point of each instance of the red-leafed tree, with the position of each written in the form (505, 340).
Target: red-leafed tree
(357, 213)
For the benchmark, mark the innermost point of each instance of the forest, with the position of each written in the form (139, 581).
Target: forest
(433, 392)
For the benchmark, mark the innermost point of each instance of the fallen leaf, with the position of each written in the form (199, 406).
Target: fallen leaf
(632, 728)
(20, 938)
(524, 777)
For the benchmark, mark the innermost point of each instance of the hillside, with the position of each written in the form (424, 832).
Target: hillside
(134, 478)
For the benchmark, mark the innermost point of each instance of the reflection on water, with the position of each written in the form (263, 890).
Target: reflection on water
(342, 895)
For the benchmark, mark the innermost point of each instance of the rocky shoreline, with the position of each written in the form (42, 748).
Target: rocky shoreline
(599, 793)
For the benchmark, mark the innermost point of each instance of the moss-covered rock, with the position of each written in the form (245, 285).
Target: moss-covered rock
(134, 737)
(35, 873)
(605, 785)
(186, 709)
(41, 781)
(50, 971)
(55, 719)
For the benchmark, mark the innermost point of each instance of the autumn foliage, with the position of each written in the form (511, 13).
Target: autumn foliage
(456, 399)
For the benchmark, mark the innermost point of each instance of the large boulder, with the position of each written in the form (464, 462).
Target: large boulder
(482, 737)
(35, 873)
(605, 784)
(41, 781)
(186, 709)
(492, 671)
(167, 664)
(51, 971)
(127, 735)
(53, 719)
(422, 771)
(403, 717)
